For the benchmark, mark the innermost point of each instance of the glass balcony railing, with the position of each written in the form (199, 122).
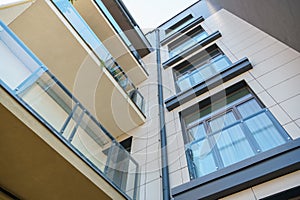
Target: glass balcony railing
(120, 32)
(82, 28)
(30, 82)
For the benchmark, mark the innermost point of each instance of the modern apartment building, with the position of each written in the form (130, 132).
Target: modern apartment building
(205, 106)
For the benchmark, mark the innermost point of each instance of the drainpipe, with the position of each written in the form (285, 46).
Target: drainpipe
(163, 135)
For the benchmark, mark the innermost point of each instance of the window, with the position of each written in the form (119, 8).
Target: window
(201, 67)
(187, 40)
(228, 131)
(186, 20)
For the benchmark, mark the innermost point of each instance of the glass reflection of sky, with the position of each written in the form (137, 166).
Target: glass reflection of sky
(82, 28)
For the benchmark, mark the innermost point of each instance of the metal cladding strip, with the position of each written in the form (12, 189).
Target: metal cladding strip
(163, 136)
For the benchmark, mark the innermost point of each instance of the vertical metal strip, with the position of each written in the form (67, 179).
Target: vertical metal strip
(68, 119)
(76, 127)
(163, 135)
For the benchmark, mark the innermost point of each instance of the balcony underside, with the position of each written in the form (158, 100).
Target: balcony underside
(109, 37)
(35, 164)
(123, 20)
(72, 63)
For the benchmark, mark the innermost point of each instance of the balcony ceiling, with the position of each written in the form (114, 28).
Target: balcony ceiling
(127, 26)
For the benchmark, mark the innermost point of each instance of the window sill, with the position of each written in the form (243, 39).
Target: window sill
(212, 37)
(184, 29)
(250, 172)
(234, 70)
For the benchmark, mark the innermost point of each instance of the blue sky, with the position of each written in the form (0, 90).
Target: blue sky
(151, 13)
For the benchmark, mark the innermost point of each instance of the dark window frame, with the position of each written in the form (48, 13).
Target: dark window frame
(198, 61)
(220, 111)
(234, 70)
(171, 37)
(186, 37)
(184, 54)
(179, 23)
(267, 166)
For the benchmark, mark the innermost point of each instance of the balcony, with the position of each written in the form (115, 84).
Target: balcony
(112, 37)
(124, 19)
(83, 69)
(33, 89)
(121, 33)
(70, 13)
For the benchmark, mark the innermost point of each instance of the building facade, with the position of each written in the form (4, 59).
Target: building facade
(205, 106)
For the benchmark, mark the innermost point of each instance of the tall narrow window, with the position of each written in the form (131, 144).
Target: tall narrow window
(228, 131)
(187, 40)
(201, 67)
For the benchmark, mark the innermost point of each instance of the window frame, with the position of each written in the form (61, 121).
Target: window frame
(209, 135)
(198, 30)
(200, 60)
(179, 23)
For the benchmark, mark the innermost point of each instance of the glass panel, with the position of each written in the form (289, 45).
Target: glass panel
(189, 41)
(67, 130)
(235, 140)
(48, 100)
(249, 108)
(120, 32)
(222, 121)
(264, 132)
(216, 106)
(233, 145)
(16, 62)
(221, 63)
(203, 70)
(82, 28)
(184, 82)
(197, 77)
(202, 35)
(207, 71)
(113, 22)
(196, 133)
(138, 99)
(202, 158)
(92, 142)
(122, 169)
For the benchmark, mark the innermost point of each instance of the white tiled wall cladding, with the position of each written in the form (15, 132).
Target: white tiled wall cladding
(275, 78)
